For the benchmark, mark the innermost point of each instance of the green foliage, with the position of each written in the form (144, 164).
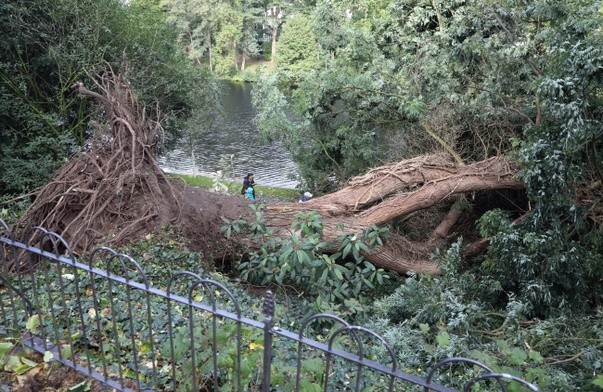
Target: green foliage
(337, 279)
(428, 319)
(165, 252)
(13, 357)
(226, 339)
(553, 259)
(358, 84)
(298, 52)
(11, 210)
(212, 30)
(400, 78)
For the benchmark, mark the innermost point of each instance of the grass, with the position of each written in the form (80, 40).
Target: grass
(234, 188)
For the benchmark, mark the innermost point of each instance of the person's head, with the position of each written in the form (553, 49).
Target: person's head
(308, 195)
(249, 175)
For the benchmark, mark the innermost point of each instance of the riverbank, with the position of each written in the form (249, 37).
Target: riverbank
(264, 193)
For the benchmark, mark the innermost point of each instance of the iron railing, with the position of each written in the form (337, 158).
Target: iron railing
(105, 318)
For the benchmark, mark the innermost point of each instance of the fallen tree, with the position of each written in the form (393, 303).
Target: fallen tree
(396, 191)
(115, 192)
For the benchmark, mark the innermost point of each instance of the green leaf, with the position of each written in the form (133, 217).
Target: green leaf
(346, 250)
(22, 369)
(598, 381)
(81, 387)
(33, 323)
(310, 386)
(314, 365)
(48, 356)
(302, 256)
(483, 357)
(517, 356)
(12, 363)
(28, 362)
(338, 274)
(246, 367)
(502, 344)
(66, 351)
(5, 347)
(443, 339)
(535, 356)
(19, 365)
(424, 328)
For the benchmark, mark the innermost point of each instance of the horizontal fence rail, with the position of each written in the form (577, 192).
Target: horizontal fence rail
(106, 319)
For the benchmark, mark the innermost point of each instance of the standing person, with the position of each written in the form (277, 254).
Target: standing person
(248, 182)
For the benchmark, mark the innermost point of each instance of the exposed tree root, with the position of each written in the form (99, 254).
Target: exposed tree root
(114, 191)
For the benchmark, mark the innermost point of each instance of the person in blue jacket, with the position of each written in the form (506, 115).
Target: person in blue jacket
(250, 193)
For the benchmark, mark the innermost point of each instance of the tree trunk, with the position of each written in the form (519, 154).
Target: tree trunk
(209, 53)
(273, 46)
(396, 191)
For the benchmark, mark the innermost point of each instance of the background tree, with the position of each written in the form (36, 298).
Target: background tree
(205, 110)
(253, 12)
(45, 45)
(274, 17)
(195, 21)
(229, 36)
(299, 52)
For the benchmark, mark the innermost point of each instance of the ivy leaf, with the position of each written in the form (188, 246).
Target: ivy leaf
(517, 356)
(535, 356)
(313, 365)
(81, 387)
(48, 356)
(66, 351)
(310, 386)
(33, 323)
(5, 347)
(443, 339)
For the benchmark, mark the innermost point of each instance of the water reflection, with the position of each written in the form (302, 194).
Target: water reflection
(235, 139)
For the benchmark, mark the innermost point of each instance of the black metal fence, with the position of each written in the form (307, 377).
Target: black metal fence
(105, 318)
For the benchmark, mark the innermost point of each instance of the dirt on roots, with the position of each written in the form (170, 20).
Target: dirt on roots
(115, 193)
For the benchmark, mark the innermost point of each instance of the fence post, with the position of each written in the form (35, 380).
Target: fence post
(268, 310)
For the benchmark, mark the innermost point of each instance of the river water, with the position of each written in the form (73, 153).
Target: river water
(234, 144)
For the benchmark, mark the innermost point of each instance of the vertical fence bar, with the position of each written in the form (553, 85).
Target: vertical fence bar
(113, 309)
(97, 313)
(268, 310)
(4, 271)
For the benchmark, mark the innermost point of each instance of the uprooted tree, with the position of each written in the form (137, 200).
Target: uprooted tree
(115, 192)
